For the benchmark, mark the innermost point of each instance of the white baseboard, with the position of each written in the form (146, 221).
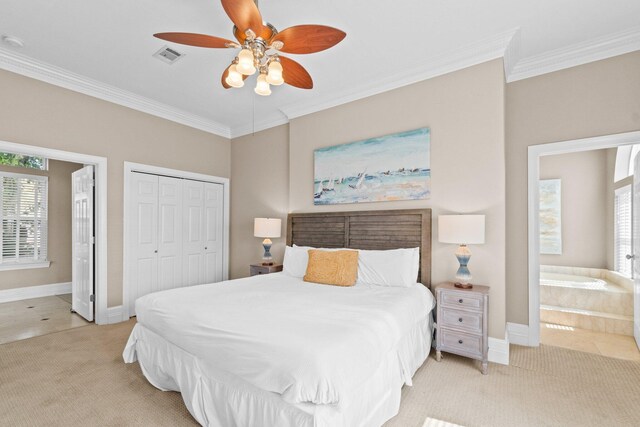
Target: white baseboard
(499, 351)
(40, 291)
(116, 315)
(518, 334)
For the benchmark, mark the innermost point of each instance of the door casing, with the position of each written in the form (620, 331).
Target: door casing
(534, 154)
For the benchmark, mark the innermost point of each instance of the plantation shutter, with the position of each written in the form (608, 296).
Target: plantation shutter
(623, 231)
(23, 211)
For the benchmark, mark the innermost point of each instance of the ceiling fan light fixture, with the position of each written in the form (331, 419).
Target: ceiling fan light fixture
(245, 62)
(274, 76)
(262, 87)
(234, 78)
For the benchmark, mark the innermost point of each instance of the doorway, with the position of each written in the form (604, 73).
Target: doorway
(99, 164)
(550, 273)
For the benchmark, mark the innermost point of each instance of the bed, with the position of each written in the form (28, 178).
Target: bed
(273, 350)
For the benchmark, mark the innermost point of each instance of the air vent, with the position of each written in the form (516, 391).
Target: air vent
(168, 55)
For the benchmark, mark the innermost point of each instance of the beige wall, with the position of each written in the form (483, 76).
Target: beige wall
(36, 113)
(584, 178)
(465, 111)
(59, 242)
(259, 188)
(600, 98)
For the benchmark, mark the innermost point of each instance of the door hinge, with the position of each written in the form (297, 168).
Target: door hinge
(93, 182)
(92, 298)
(93, 240)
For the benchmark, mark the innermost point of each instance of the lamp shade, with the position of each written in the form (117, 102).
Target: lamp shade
(461, 229)
(267, 227)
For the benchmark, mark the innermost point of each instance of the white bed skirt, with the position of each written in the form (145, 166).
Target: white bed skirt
(218, 398)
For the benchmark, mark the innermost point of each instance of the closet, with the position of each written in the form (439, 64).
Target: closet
(176, 238)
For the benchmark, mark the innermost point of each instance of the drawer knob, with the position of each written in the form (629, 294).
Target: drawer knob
(460, 320)
(460, 300)
(459, 341)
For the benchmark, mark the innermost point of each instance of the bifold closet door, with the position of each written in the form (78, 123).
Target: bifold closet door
(203, 228)
(143, 222)
(177, 230)
(169, 233)
(213, 232)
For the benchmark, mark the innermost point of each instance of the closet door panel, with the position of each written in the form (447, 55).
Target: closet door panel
(213, 232)
(143, 219)
(170, 232)
(193, 239)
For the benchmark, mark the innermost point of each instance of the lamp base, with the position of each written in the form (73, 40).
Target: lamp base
(463, 285)
(463, 275)
(267, 259)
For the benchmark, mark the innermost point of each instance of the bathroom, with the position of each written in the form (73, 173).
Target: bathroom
(586, 251)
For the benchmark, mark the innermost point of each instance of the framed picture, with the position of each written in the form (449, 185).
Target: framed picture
(392, 167)
(550, 217)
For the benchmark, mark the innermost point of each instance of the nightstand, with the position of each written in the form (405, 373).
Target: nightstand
(462, 318)
(265, 269)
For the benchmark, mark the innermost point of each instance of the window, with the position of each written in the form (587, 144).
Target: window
(23, 213)
(33, 162)
(623, 231)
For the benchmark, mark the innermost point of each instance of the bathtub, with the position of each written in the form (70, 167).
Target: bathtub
(583, 278)
(586, 298)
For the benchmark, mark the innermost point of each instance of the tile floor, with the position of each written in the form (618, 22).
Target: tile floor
(38, 316)
(610, 345)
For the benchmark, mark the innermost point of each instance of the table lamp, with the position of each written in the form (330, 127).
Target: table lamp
(463, 230)
(267, 228)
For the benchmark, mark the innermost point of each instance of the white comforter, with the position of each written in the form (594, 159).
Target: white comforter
(306, 342)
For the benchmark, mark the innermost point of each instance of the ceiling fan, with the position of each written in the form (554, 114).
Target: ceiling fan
(261, 45)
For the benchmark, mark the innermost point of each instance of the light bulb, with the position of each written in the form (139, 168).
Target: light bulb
(245, 62)
(275, 73)
(262, 88)
(234, 78)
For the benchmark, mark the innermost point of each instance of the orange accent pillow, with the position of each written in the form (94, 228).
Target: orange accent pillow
(338, 268)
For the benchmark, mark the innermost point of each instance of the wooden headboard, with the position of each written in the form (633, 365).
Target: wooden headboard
(388, 229)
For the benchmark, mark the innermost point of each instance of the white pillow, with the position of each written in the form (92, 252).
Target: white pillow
(295, 261)
(394, 267)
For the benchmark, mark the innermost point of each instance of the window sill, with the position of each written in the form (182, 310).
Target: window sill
(24, 266)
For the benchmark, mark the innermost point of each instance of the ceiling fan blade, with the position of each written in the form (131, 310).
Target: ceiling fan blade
(294, 74)
(308, 38)
(244, 14)
(191, 39)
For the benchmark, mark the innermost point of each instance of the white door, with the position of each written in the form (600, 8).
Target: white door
(213, 232)
(143, 223)
(635, 204)
(193, 239)
(82, 289)
(170, 232)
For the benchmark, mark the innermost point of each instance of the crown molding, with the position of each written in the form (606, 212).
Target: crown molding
(480, 51)
(504, 45)
(276, 119)
(592, 50)
(21, 64)
(511, 53)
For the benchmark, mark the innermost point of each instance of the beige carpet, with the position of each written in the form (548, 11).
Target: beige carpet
(78, 377)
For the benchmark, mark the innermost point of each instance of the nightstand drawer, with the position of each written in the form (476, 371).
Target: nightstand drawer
(459, 342)
(461, 300)
(461, 319)
(257, 269)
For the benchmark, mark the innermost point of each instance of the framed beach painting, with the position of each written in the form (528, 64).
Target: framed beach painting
(392, 167)
(550, 217)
